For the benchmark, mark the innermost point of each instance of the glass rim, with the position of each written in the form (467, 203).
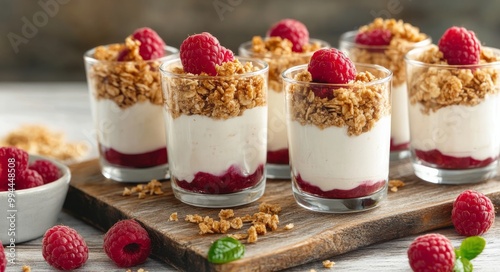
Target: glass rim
(264, 68)
(88, 56)
(385, 79)
(348, 39)
(410, 59)
(246, 48)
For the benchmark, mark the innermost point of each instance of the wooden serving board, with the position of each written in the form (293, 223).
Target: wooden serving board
(417, 207)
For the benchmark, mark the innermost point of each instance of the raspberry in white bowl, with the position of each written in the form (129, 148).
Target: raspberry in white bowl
(126, 102)
(385, 43)
(339, 132)
(454, 102)
(216, 123)
(287, 44)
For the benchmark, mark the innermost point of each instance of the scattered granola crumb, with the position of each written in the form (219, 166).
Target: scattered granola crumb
(138, 270)
(226, 214)
(152, 188)
(38, 139)
(357, 107)
(252, 235)
(236, 223)
(328, 264)
(239, 236)
(194, 218)
(312, 270)
(173, 217)
(269, 208)
(26, 268)
(394, 184)
(438, 88)
(289, 226)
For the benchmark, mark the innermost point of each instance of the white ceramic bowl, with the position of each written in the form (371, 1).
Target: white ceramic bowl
(36, 209)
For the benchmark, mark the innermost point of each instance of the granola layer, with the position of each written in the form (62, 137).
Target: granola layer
(404, 37)
(438, 87)
(358, 107)
(222, 97)
(125, 82)
(277, 52)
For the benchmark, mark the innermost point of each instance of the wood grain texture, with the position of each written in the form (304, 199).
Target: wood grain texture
(418, 207)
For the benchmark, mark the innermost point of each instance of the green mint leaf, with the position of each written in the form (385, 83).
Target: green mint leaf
(462, 265)
(224, 250)
(472, 246)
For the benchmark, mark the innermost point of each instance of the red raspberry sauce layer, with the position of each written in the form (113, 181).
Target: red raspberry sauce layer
(278, 156)
(437, 158)
(230, 182)
(399, 147)
(362, 190)
(142, 160)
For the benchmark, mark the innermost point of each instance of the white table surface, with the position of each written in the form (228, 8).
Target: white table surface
(65, 107)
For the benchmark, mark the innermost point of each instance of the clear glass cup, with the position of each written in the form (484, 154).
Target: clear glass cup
(216, 134)
(392, 58)
(126, 103)
(455, 138)
(277, 144)
(339, 143)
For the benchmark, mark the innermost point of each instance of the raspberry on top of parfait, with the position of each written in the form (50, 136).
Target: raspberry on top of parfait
(460, 84)
(348, 102)
(385, 42)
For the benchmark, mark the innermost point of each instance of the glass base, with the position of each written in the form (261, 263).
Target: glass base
(330, 205)
(126, 174)
(278, 171)
(220, 200)
(449, 176)
(399, 155)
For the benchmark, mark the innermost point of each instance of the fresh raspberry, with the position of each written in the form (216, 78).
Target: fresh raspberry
(64, 248)
(431, 252)
(460, 46)
(46, 169)
(127, 243)
(152, 46)
(8, 155)
(473, 213)
(375, 37)
(330, 65)
(28, 179)
(202, 52)
(3, 259)
(292, 30)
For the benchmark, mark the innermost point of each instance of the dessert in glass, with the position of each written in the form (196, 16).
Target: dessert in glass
(287, 44)
(454, 104)
(338, 118)
(126, 101)
(385, 42)
(216, 123)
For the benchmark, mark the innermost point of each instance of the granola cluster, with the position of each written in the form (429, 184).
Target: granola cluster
(404, 37)
(438, 87)
(37, 139)
(152, 188)
(277, 52)
(125, 82)
(358, 107)
(225, 96)
(265, 220)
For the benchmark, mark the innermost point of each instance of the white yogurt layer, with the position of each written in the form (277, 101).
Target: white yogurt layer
(330, 159)
(458, 131)
(198, 143)
(134, 130)
(400, 129)
(276, 124)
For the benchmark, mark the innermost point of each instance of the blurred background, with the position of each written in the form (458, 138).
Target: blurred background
(44, 40)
